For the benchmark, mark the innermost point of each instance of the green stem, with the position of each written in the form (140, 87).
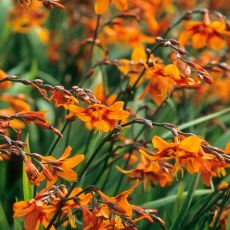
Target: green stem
(94, 154)
(94, 38)
(176, 225)
(122, 176)
(57, 139)
(104, 165)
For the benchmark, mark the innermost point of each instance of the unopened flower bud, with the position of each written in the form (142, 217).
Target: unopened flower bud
(159, 39)
(31, 171)
(47, 173)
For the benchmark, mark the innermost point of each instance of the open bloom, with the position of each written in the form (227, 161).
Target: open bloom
(114, 213)
(101, 6)
(80, 199)
(185, 152)
(39, 210)
(62, 99)
(203, 34)
(62, 167)
(158, 88)
(33, 214)
(17, 104)
(193, 154)
(5, 84)
(150, 171)
(100, 94)
(119, 32)
(23, 20)
(101, 117)
(117, 204)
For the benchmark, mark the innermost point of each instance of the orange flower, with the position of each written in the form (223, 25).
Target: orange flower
(101, 117)
(32, 212)
(130, 35)
(158, 88)
(185, 152)
(39, 210)
(223, 219)
(5, 84)
(170, 71)
(132, 68)
(22, 20)
(62, 167)
(63, 99)
(18, 103)
(101, 6)
(38, 118)
(191, 153)
(212, 168)
(80, 201)
(149, 11)
(161, 81)
(203, 34)
(33, 174)
(118, 204)
(100, 94)
(114, 212)
(93, 221)
(150, 171)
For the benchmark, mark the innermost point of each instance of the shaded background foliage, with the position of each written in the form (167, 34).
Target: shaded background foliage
(25, 55)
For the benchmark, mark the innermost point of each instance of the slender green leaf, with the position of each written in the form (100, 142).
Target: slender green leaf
(176, 225)
(199, 120)
(28, 190)
(18, 224)
(179, 199)
(170, 199)
(3, 220)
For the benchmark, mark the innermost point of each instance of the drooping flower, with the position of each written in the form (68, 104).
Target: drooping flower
(41, 209)
(212, 168)
(33, 214)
